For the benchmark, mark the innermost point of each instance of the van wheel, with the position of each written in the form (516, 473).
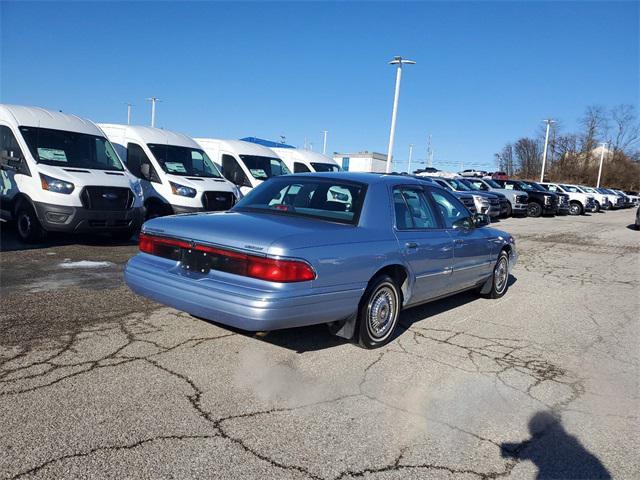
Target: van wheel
(575, 208)
(29, 228)
(534, 209)
(155, 210)
(500, 277)
(379, 312)
(123, 235)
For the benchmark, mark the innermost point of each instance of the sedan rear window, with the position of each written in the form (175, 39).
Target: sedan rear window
(336, 201)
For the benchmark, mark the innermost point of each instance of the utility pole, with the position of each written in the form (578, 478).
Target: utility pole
(129, 105)
(324, 142)
(153, 101)
(399, 61)
(429, 153)
(604, 145)
(410, 155)
(548, 121)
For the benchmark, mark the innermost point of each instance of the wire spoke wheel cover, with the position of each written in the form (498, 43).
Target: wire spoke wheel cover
(382, 311)
(501, 275)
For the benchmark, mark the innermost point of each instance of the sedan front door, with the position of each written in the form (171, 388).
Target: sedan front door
(425, 244)
(472, 246)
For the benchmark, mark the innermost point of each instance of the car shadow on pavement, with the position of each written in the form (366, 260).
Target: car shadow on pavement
(556, 453)
(317, 337)
(9, 241)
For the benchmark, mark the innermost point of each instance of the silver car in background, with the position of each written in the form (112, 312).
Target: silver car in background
(346, 249)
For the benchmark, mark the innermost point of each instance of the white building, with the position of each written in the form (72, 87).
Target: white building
(362, 161)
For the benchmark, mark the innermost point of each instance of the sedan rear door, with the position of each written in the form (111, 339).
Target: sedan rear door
(424, 243)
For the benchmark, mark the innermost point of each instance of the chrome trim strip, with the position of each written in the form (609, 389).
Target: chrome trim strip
(445, 271)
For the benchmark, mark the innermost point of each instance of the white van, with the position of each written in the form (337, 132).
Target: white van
(245, 164)
(59, 173)
(176, 175)
(301, 161)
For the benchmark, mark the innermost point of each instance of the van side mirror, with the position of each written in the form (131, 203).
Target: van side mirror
(8, 161)
(145, 171)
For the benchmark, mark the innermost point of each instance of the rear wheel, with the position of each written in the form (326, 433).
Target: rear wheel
(534, 209)
(575, 208)
(29, 228)
(379, 312)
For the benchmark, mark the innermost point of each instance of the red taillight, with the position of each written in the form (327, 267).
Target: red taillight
(270, 269)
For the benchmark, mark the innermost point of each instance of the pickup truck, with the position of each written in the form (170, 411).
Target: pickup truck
(518, 201)
(541, 201)
(487, 203)
(579, 202)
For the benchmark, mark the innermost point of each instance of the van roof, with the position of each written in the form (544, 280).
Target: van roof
(25, 116)
(305, 155)
(238, 146)
(146, 134)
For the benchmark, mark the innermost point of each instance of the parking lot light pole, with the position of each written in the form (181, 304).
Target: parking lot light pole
(399, 61)
(153, 101)
(129, 105)
(410, 155)
(324, 142)
(548, 121)
(604, 145)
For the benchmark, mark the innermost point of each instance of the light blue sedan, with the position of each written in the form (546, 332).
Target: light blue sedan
(347, 249)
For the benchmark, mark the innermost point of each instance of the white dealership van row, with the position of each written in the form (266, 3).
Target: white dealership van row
(244, 164)
(176, 175)
(59, 173)
(301, 161)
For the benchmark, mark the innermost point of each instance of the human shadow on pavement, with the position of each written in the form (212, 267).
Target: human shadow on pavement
(556, 453)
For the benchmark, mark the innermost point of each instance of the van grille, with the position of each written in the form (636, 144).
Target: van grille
(217, 201)
(106, 198)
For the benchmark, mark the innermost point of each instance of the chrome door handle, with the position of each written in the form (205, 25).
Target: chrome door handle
(411, 245)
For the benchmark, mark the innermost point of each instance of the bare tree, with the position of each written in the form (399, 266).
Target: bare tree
(626, 130)
(528, 156)
(505, 159)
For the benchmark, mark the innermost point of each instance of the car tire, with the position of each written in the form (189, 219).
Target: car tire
(509, 211)
(534, 210)
(379, 312)
(28, 225)
(123, 235)
(596, 207)
(575, 208)
(155, 210)
(499, 277)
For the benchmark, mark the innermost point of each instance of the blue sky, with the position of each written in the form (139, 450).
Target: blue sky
(487, 72)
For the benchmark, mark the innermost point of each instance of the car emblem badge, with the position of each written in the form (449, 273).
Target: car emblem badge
(110, 196)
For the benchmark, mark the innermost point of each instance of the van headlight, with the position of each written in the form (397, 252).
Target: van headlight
(56, 185)
(181, 190)
(137, 188)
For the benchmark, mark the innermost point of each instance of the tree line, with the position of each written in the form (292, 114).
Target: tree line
(574, 157)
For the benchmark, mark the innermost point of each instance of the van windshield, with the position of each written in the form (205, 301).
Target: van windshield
(325, 167)
(184, 161)
(262, 168)
(70, 149)
(319, 198)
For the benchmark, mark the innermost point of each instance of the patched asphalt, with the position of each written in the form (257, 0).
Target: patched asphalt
(96, 382)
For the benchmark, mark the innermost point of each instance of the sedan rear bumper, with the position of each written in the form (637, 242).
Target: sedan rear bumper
(221, 298)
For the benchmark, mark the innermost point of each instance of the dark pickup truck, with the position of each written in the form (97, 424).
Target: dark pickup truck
(541, 201)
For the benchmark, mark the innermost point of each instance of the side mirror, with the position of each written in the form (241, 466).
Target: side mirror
(145, 171)
(481, 219)
(8, 161)
(464, 223)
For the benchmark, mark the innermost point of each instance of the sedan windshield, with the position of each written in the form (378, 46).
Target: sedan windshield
(262, 168)
(184, 161)
(336, 201)
(71, 149)
(325, 167)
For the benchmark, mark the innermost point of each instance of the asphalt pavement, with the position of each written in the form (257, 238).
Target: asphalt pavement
(96, 382)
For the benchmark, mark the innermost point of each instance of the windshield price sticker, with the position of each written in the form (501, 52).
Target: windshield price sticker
(52, 154)
(175, 167)
(258, 173)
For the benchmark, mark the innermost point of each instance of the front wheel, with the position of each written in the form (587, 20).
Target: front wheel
(379, 312)
(596, 207)
(500, 277)
(534, 209)
(509, 211)
(29, 228)
(575, 208)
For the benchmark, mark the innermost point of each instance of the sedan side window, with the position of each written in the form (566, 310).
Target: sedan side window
(450, 208)
(412, 209)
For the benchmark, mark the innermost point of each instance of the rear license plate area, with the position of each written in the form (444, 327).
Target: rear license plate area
(195, 261)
